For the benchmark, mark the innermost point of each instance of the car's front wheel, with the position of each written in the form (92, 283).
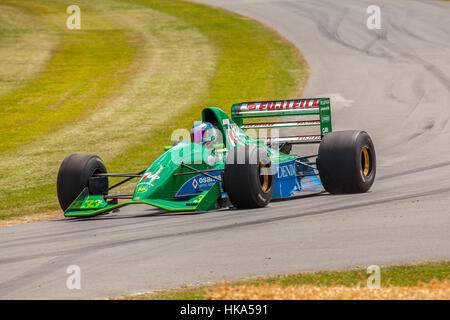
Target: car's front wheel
(75, 174)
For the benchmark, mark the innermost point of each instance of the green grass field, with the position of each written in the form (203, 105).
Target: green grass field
(118, 87)
(399, 276)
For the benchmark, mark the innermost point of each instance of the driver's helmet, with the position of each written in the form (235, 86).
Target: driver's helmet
(204, 133)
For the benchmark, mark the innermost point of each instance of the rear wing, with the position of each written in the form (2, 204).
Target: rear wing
(318, 109)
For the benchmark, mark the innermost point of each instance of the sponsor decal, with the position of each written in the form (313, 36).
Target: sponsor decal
(142, 188)
(288, 139)
(305, 123)
(251, 106)
(151, 176)
(198, 183)
(234, 134)
(86, 204)
(205, 182)
(286, 181)
(232, 137)
(251, 125)
(280, 105)
(199, 198)
(285, 124)
(309, 138)
(285, 171)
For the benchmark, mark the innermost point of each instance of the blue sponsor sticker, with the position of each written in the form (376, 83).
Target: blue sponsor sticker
(198, 183)
(286, 170)
(286, 181)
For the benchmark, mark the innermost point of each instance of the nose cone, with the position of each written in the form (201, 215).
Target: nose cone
(158, 181)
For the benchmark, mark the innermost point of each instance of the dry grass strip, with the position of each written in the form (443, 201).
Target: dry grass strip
(434, 290)
(50, 215)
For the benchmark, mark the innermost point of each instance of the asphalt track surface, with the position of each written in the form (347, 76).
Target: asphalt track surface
(394, 83)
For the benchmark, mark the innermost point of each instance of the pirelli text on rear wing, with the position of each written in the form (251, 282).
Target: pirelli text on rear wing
(317, 111)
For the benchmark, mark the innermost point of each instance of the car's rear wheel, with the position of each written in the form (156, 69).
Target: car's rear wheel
(75, 174)
(248, 177)
(347, 162)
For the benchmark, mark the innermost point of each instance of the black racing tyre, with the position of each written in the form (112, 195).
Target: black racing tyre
(347, 162)
(74, 175)
(248, 177)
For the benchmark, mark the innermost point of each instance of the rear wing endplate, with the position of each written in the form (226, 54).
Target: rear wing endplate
(318, 109)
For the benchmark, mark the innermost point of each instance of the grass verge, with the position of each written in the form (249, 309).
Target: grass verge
(434, 290)
(24, 49)
(348, 284)
(136, 71)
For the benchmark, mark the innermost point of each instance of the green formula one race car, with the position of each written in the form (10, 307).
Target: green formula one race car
(224, 165)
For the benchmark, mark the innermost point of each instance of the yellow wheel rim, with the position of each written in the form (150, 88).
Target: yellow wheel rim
(365, 161)
(265, 177)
